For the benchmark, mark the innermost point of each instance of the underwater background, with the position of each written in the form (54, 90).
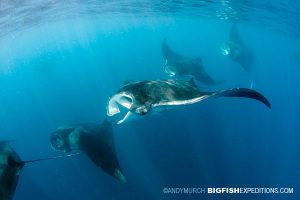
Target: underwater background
(61, 60)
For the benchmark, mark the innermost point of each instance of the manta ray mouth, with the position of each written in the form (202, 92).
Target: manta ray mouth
(120, 101)
(57, 142)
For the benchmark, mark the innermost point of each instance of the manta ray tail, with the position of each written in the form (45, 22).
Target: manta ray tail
(244, 92)
(50, 158)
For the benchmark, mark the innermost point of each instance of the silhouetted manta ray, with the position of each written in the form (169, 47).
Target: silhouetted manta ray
(179, 66)
(142, 97)
(95, 140)
(236, 50)
(11, 166)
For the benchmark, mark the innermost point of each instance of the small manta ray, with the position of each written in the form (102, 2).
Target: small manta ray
(179, 66)
(11, 166)
(236, 50)
(157, 95)
(95, 140)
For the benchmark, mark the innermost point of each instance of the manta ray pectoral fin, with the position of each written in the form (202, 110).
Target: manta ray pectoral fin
(168, 53)
(234, 34)
(246, 66)
(244, 92)
(119, 175)
(193, 83)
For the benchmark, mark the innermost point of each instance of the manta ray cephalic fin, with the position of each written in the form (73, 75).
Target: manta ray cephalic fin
(126, 116)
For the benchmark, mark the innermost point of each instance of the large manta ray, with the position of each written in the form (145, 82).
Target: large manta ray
(236, 50)
(179, 66)
(11, 166)
(156, 95)
(95, 140)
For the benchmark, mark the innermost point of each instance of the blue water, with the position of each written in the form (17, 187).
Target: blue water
(60, 62)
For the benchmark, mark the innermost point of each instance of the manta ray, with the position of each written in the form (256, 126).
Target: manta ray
(11, 166)
(236, 50)
(143, 97)
(179, 66)
(95, 140)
